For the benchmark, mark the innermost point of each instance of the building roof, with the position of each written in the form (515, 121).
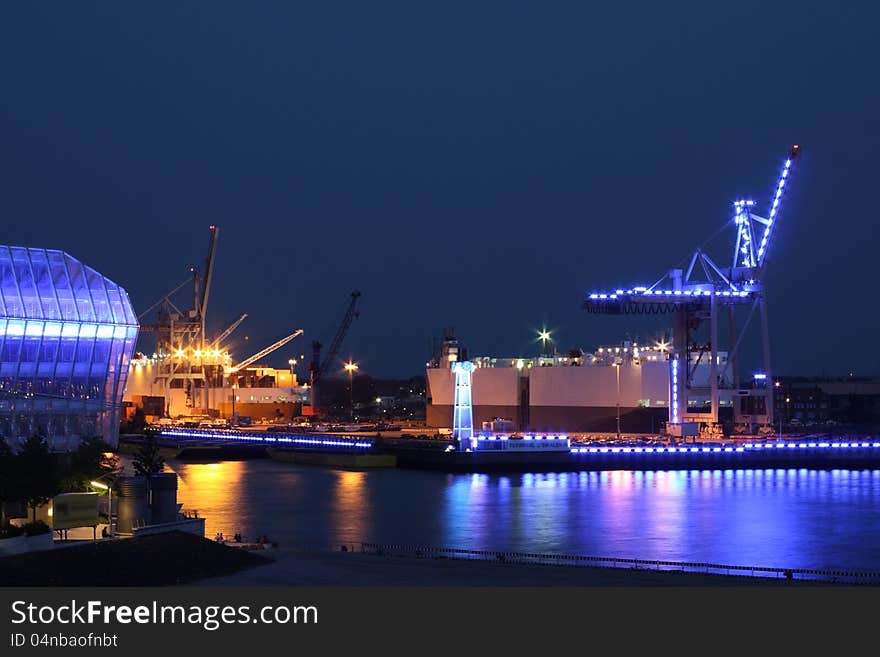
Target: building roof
(47, 284)
(850, 387)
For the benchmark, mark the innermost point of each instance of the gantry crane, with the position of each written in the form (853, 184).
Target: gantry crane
(318, 368)
(700, 294)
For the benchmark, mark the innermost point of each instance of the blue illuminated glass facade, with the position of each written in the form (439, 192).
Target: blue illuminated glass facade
(67, 335)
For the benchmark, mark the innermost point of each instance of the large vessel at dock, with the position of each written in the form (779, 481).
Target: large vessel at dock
(574, 393)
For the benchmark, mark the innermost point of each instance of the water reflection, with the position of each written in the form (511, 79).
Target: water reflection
(349, 501)
(792, 518)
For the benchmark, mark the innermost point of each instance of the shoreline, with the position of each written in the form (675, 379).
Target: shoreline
(178, 559)
(291, 567)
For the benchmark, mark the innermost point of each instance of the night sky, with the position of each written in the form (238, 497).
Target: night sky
(471, 164)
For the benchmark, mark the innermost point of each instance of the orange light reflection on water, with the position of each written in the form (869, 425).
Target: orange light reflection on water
(214, 491)
(348, 508)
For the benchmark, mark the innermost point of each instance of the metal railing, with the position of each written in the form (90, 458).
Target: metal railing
(504, 556)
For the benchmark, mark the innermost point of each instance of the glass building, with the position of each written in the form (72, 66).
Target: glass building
(66, 339)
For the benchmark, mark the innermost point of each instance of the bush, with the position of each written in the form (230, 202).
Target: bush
(10, 531)
(35, 528)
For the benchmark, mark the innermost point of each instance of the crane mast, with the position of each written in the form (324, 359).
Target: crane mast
(318, 367)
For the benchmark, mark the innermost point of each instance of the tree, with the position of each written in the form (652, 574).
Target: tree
(8, 483)
(91, 460)
(147, 459)
(37, 472)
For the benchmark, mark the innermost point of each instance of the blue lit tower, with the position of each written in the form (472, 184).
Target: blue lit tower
(67, 335)
(462, 410)
(699, 295)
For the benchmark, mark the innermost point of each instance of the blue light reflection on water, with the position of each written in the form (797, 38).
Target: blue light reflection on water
(790, 518)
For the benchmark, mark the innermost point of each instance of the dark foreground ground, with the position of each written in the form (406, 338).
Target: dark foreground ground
(179, 559)
(158, 560)
(292, 568)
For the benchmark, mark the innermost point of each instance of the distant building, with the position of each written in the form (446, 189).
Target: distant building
(67, 335)
(806, 401)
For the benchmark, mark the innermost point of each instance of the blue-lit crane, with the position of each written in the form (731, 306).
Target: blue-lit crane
(698, 295)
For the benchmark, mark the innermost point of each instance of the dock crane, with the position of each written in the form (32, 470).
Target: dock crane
(180, 334)
(694, 298)
(225, 334)
(318, 368)
(264, 352)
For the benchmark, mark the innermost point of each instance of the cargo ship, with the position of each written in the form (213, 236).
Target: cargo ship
(576, 392)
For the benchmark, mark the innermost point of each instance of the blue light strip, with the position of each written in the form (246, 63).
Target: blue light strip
(482, 437)
(744, 236)
(666, 294)
(673, 405)
(746, 447)
(774, 209)
(264, 438)
(37, 328)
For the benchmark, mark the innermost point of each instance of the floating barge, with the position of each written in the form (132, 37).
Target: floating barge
(501, 454)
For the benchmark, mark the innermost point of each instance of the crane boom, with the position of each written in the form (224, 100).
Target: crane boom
(228, 331)
(794, 154)
(208, 276)
(268, 350)
(349, 317)
(319, 367)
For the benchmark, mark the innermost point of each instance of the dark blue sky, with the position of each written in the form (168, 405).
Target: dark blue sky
(468, 164)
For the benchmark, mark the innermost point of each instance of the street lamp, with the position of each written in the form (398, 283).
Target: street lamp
(787, 414)
(102, 486)
(617, 367)
(350, 368)
(234, 388)
(292, 363)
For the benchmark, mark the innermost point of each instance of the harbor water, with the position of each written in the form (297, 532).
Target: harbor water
(823, 519)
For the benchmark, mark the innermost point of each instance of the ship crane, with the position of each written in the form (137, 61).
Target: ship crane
(180, 334)
(700, 294)
(318, 367)
(225, 334)
(264, 352)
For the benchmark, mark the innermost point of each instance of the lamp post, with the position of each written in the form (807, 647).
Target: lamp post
(292, 363)
(109, 488)
(234, 388)
(617, 367)
(350, 368)
(787, 414)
